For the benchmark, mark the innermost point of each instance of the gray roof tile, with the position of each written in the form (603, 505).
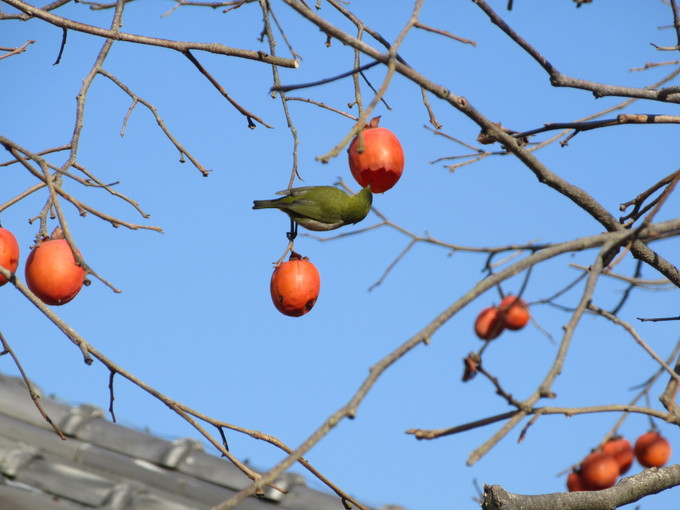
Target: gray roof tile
(107, 466)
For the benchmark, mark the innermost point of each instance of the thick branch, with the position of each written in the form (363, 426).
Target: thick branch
(628, 490)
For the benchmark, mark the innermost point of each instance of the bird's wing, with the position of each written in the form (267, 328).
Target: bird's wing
(312, 209)
(296, 192)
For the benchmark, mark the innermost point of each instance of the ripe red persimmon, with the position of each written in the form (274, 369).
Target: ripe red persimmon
(52, 273)
(599, 471)
(295, 286)
(652, 449)
(381, 162)
(489, 323)
(516, 312)
(574, 482)
(621, 449)
(9, 253)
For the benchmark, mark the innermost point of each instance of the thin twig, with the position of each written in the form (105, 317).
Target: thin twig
(322, 105)
(445, 34)
(154, 111)
(631, 331)
(288, 88)
(266, 12)
(543, 411)
(181, 46)
(15, 51)
(248, 115)
(29, 386)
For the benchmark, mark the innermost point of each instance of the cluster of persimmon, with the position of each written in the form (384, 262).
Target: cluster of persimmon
(512, 314)
(376, 158)
(602, 467)
(52, 272)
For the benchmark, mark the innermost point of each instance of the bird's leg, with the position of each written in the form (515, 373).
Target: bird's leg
(293, 230)
(291, 238)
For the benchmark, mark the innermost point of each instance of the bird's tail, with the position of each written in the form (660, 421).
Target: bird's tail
(262, 204)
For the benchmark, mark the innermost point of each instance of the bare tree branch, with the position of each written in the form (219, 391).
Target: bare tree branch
(628, 490)
(180, 46)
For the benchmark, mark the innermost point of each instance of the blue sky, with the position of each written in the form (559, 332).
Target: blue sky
(195, 318)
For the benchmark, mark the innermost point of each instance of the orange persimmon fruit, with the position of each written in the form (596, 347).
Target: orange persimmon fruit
(515, 312)
(52, 273)
(599, 471)
(621, 449)
(489, 323)
(652, 449)
(9, 253)
(295, 286)
(574, 482)
(376, 157)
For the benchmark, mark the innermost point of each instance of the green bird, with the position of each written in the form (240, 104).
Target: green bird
(320, 207)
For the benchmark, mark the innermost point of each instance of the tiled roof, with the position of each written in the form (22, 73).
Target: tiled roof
(108, 466)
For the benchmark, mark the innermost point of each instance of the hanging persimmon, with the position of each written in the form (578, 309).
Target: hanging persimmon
(52, 272)
(376, 157)
(489, 323)
(574, 482)
(295, 286)
(515, 312)
(599, 471)
(9, 253)
(621, 449)
(652, 449)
